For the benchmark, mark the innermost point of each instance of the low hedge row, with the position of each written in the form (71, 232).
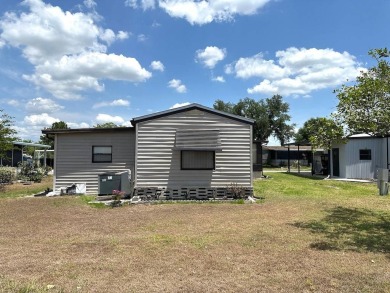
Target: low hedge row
(7, 175)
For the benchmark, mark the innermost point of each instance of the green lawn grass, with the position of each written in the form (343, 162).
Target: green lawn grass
(293, 185)
(20, 190)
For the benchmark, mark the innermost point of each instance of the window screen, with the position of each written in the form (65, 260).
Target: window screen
(365, 154)
(101, 154)
(197, 160)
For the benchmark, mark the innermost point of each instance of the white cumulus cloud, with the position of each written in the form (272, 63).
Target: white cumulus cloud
(42, 105)
(90, 3)
(41, 120)
(148, 4)
(114, 103)
(177, 85)
(65, 77)
(104, 118)
(144, 4)
(13, 103)
(256, 66)
(210, 56)
(68, 50)
(296, 71)
(51, 32)
(141, 38)
(219, 79)
(178, 105)
(206, 11)
(131, 3)
(74, 125)
(157, 66)
(122, 35)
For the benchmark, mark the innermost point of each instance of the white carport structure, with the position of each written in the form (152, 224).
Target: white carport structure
(23, 145)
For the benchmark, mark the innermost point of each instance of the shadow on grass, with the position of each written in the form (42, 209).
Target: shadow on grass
(358, 230)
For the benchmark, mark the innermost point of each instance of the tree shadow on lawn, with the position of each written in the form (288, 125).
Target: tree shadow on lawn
(360, 230)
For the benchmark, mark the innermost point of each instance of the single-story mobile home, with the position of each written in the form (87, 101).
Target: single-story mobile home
(191, 151)
(360, 157)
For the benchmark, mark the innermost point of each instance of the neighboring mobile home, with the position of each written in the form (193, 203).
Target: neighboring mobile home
(18, 155)
(191, 151)
(278, 156)
(360, 157)
(291, 155)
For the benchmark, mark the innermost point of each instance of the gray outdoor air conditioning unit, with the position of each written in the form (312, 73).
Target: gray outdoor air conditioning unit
(114, 181)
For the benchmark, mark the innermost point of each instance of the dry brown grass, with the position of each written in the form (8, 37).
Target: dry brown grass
(177, 248)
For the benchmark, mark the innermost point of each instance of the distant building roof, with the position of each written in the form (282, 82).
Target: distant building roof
(30, 144)
(76, 130)
(285, 148)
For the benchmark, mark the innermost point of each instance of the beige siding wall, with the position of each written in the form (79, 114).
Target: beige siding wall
(74, 157)
(158, 164)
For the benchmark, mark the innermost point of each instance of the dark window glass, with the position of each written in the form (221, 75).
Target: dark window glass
(101, 154)
(365, 155)
(197, 160)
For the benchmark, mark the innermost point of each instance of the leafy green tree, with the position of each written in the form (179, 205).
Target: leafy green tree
(364, 106)
(49, 139)
(59, 125)
(270, 115)
(303, 134)
(320, 132)
(224, 107)
(6, 133)
(278, 118)
(106, 125)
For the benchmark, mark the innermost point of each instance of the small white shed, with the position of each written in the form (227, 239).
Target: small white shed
(360, 157)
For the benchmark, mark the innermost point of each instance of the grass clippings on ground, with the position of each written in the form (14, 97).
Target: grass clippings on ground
(267, 247)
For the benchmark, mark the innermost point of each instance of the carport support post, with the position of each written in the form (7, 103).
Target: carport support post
(299, 156)
(312, 160)
(44, 158)
(288, 158)
(387, 151)
(34, 159)
(329, 164)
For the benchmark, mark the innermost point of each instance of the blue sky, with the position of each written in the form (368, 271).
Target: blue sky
(89, 62)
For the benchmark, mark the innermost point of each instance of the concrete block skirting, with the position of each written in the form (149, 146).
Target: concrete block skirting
(197, 193)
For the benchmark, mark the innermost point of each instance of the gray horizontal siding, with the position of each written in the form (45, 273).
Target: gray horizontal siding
(74, 157)
(350, 164)
(158, 162)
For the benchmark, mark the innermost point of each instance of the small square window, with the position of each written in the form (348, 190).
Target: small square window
(197, 160)
(365, 155)
(101, 154)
